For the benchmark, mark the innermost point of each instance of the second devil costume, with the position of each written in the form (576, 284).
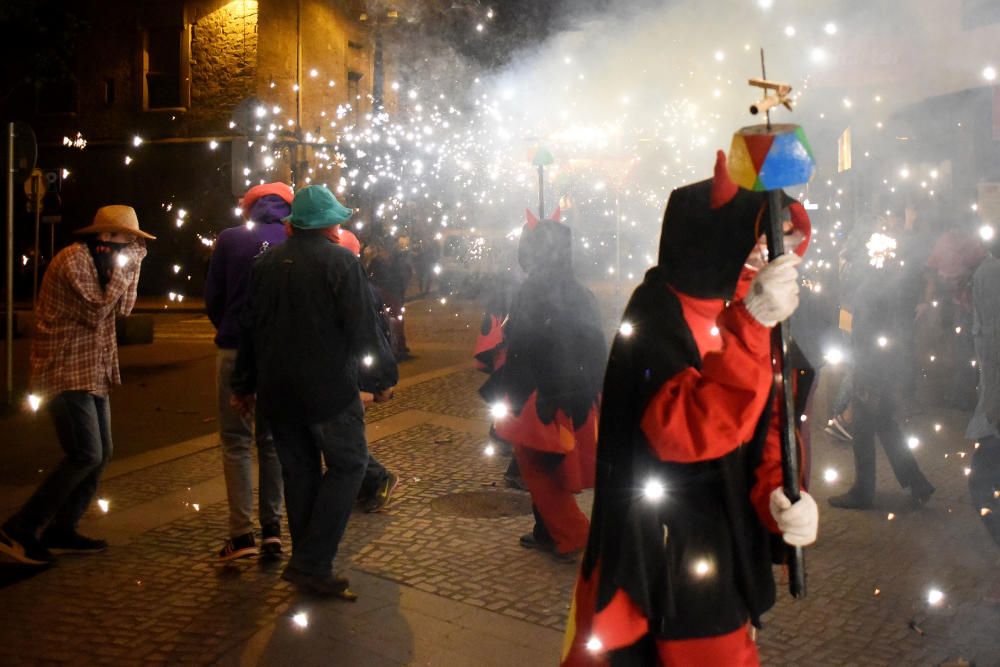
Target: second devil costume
(688, 491)
(550, 386)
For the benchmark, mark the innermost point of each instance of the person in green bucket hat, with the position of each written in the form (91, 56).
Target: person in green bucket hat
(309, 339)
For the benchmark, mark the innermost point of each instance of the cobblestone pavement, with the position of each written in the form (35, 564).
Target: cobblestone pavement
(160, 599)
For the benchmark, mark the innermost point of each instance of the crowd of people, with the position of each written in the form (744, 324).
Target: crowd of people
(684, 408)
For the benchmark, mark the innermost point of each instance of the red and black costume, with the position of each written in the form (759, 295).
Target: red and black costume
(688, 407)
(551, 382)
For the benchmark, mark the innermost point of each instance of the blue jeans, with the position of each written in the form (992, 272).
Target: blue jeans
(318, 502)
(83, 426)
(236, 434)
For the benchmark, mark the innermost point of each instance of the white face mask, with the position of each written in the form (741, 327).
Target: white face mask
(758, 256)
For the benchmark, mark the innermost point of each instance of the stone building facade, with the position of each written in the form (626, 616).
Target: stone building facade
(154, 91)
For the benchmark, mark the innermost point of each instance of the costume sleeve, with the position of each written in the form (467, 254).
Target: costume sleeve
(703, 415)
(767, 476)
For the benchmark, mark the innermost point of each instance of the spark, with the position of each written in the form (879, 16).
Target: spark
(368, 360)
(594, 644)
(989, 73)
(882, 341)
(890, 516)
(790, 31)
(300, 619)
(104, 504)
(34, 402)
(834, 356)
(65, 173)
(122, 260)
(934, 596)
(626, 329)
(137, 141)
(213, 144)
(986, 233)
(913, 442)
(830, 475)
(499, 410)
(489, 450)
(128, 160)
(654, 490)
(702, 567)
(830, 28)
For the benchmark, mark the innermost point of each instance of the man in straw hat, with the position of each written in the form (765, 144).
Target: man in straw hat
(309, 340)
(74, 363)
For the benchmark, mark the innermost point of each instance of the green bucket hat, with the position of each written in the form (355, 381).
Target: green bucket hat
(315, 207)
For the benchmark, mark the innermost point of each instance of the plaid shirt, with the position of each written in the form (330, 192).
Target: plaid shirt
(74, 346)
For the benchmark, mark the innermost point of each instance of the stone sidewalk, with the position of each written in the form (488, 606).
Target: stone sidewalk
(443, 581)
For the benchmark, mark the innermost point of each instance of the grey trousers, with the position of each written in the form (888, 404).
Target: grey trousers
(236, 433)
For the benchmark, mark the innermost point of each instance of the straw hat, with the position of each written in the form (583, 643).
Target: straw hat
(113, 219)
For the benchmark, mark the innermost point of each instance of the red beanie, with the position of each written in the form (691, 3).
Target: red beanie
(350, 241)
(283, 190)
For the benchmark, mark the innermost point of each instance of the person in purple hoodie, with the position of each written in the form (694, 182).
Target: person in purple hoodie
(225, 293)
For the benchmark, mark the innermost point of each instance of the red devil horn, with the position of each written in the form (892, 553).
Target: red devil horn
(532, 220)
(556, 215)
(723, 188)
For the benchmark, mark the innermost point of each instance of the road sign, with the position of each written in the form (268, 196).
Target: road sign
(34, 188)
(53, 179)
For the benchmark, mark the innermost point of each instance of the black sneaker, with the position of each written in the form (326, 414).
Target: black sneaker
(24, 548)
(238, 547)
(851, 501)
(328, 586)
(72, 543)
(381, 499)
(270, 546)
(529, 541)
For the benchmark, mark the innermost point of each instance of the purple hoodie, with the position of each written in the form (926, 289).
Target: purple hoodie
(229, 268)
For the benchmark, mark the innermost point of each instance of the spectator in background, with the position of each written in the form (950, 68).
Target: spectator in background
(74, 364)
(984, 480)
(390, 273)
(263, 208)
(309, 338)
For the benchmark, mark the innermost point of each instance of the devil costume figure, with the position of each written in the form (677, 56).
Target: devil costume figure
(549, 387)
(688, 493)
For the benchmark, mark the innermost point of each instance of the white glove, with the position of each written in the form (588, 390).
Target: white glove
(774, 292)
(798, 523)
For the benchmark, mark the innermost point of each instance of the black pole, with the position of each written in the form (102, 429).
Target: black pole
(541, 192)
(781, 340)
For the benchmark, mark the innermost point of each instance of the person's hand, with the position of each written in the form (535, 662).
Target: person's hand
(383, 396)
(774, 292)
(367, 398)
(244, 405)
(798, 523)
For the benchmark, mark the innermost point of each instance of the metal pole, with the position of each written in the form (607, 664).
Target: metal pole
(35, 182)
(781, 340)
(10, 264)
(541, 192)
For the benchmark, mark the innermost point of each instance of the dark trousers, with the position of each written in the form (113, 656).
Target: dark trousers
(984, 483)
(318, 503)
(83, 426)
(875, 416)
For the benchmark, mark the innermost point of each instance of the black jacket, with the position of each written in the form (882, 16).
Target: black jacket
(309, 334)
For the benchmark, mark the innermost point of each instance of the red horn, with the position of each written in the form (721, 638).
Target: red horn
(556, 215)
(532, 220)
(723, 188)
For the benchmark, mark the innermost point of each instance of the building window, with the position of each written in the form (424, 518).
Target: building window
(354, 94)
(166, 66)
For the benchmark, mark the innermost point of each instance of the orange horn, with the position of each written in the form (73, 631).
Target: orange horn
(723, 188)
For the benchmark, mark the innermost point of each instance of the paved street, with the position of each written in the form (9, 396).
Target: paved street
(441, 577)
